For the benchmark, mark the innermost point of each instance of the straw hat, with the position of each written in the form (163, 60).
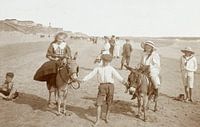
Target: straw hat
(187, 49)
(106, 57)
(150, 43)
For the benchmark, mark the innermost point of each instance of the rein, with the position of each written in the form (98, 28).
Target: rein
(66, 81)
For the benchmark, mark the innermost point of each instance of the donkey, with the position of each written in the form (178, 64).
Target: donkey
(143, 86)
(66, 76)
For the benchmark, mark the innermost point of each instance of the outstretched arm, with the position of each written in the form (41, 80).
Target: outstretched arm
(90, 75)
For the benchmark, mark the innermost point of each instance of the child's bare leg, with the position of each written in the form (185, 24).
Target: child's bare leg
(186, 92)
(12, 92)
(98, 115)
(190, 93)
(2, 95)
(107, 113)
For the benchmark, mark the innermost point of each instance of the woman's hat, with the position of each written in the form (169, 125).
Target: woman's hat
(61, 34)
(150, 43)
(187, 49)
(106, 57)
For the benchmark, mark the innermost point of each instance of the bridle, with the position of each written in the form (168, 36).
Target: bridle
(70, 78)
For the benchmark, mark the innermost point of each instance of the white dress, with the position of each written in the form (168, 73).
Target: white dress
(106, 48)
(154, 62)
(117, 49)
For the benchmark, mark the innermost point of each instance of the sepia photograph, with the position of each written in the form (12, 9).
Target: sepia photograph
(100, 63)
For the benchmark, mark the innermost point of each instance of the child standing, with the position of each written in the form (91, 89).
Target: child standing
(105, 74)
(188, 65)
(7, 90)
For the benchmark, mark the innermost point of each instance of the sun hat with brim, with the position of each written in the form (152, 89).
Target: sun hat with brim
(106, 57)
(150, 43)
(187, 49)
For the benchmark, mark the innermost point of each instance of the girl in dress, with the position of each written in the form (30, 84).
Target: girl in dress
(58, 53)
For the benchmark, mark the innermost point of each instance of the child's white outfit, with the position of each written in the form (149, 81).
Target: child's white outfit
(188, 67)
(153, 60)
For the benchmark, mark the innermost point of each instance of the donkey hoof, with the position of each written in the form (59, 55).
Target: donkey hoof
(65, 113)
(145, 119)
(155, 110)
(59, 114)
(137, 116)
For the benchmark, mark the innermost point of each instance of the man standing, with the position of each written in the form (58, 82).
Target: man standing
(126, 54)
(112, 44)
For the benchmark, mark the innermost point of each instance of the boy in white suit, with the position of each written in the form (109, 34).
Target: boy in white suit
(188, 66)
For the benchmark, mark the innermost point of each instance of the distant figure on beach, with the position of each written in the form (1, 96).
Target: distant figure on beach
(116, 51)
(112, 44)
(188, 65)
(105, 50)
(126, 54)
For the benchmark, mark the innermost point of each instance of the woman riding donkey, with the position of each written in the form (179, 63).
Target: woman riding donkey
(150, 65)
(58, 53)
(151, 58)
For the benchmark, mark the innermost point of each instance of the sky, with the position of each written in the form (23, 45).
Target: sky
(107, 17)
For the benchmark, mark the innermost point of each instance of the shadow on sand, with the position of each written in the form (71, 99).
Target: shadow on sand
(39, 103)
(118, 107)
(34, 101)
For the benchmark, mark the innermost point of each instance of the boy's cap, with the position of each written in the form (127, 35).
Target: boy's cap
(10, 74)
(106, 57)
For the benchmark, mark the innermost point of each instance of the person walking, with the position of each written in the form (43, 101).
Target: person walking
(112, 44)
(126, 54)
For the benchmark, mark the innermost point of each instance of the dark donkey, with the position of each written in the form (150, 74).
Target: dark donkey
(139, 79)
(66, 76)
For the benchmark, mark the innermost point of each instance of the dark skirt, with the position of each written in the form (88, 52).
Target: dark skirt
(46, 71)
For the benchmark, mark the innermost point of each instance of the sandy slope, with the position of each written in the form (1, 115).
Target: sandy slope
(30, 110)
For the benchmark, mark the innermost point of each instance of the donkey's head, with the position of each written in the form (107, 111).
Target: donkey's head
(73, 67)
(132, 79)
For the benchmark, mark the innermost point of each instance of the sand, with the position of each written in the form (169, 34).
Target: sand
(30, 109)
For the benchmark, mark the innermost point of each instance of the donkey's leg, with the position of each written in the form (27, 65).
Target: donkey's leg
(139, 106)
(49, 97)
(145, 99)
(151, 93)
(59, 102)
(156, 100)
(56, 96)
(65, 101)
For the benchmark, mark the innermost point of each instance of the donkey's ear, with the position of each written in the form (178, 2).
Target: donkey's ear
(129, 68)
(75, 55)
